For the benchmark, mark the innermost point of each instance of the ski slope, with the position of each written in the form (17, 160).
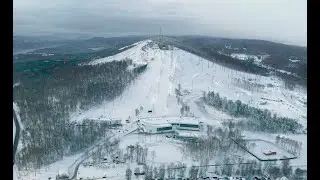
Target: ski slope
(155, 88)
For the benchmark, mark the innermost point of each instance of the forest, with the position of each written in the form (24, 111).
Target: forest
(256, 118)
(48, 96)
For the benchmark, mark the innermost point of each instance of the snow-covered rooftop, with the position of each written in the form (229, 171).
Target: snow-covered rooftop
(169, 120)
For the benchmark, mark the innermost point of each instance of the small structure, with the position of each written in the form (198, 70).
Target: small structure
(270, 153)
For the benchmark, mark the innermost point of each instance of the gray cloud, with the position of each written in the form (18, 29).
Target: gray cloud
(276, 20)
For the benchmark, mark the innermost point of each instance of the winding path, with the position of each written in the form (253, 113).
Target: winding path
(91, 151)
(17, 135)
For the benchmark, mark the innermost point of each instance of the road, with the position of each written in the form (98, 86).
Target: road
(90, 151)
(17, 135)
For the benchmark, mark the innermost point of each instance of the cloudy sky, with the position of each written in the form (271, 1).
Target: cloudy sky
(276, 20)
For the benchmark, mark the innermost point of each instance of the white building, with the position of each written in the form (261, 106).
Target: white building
(157, 128)
(171, 124)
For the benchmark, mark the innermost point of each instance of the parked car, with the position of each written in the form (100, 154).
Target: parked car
(257, 178)
(270, 153)
(205, 177)
(138, 174)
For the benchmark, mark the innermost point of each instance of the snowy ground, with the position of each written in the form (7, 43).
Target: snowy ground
(17, 112)
(116, 171)
(160, 144)
(161, 151)
(294, 60)
(154, 89)
(300, 161)
(14, 130)
(261, 146)
(51, 170)
(245, 57)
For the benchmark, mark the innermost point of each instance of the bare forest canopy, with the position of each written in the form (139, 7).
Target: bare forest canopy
(256, 119)
(47, 95)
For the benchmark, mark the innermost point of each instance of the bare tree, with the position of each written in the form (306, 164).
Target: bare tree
(128, 174)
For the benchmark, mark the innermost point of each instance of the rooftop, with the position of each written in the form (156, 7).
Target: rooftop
(168, 120)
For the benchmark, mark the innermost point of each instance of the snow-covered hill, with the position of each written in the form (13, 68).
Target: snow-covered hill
(155, 88)
(153, 94)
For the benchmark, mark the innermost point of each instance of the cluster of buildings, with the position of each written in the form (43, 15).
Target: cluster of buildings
(179, 126)
(186, 127)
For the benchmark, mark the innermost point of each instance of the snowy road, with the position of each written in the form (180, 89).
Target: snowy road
(17, 134)
(73, 169)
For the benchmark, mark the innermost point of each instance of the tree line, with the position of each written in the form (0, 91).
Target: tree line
(47, 101)
(258, 119)
(292, 146)
(247, 170)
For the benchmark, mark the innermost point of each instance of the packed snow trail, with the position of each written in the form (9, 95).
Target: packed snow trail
(152, 90)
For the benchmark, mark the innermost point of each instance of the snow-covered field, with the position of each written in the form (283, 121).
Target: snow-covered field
(259, 147)
(116, 172)
(300, 161)
(160, 145)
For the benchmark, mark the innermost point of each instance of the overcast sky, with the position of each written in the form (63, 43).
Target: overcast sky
(276, 20)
